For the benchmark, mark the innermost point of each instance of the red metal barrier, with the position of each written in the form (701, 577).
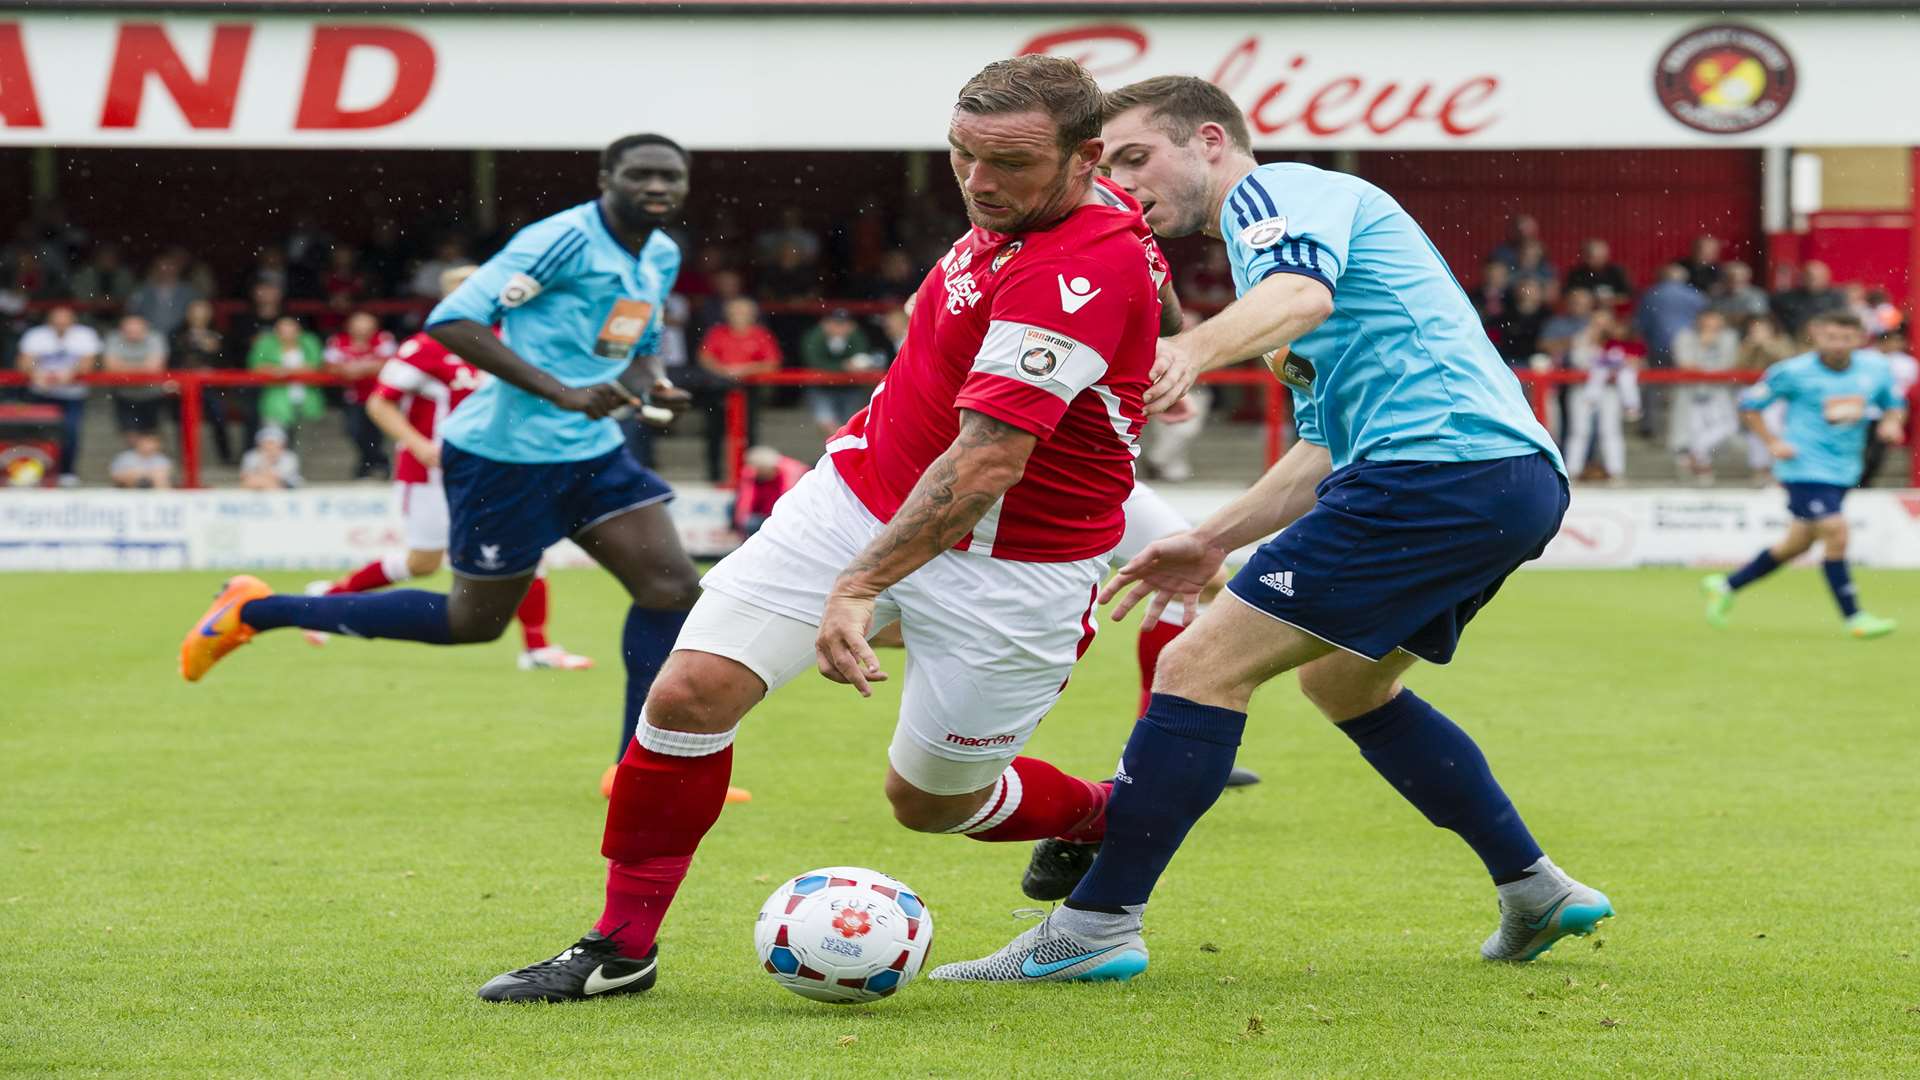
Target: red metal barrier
(1279, 405)
(190, 386)
(225, 310)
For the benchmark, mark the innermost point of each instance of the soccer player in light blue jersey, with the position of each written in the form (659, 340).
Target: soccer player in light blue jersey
(1832, 393)
(1419, 482)
(535, 456)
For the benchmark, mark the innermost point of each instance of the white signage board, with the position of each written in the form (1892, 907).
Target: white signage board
(886, 81)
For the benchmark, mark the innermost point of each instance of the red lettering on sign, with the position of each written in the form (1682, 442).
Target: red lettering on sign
(1582, 538)
(1233, 67)
(1325, 106)
(1097, 46)
(1258, 113)
(327, 69)
(1334, 94)
(143, 49)
(1465, 96)
(1376, 118)
(18, 105)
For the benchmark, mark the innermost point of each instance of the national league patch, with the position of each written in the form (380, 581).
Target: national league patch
(1041, 354)
(1264, 233)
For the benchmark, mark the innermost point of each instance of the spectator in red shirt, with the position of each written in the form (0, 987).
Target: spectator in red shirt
(739, 347)
(357, 354)
(768, 475)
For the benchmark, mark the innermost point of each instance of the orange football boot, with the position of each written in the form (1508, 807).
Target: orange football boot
(220, 630)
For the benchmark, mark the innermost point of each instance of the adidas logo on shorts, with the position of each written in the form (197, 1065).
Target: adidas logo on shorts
(1281, 581)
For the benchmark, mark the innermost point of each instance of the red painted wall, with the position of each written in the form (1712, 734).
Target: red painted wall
(1649, 204)
(1865, 247)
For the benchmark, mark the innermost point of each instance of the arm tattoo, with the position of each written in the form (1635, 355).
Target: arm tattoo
(952, 496)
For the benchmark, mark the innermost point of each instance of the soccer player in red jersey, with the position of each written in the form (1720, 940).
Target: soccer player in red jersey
(974, 501)
(415, 390)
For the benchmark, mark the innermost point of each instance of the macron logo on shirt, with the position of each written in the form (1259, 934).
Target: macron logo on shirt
(1075, 294)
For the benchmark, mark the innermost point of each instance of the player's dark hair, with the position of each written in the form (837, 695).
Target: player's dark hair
(1049, 84)
(611, 155)
(1839, 318)
(1179, 104)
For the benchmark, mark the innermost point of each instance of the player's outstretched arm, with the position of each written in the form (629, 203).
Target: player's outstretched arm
(476, 344)
(1272, 314)
(394, 425)
(1756, 422)
(1276, 500)
(988, 457)
(1893, 427)
(1180, 566)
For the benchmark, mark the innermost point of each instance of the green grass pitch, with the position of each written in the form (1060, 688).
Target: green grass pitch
(307, 863)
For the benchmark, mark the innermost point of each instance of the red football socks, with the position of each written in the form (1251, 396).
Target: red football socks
(662, 805)
(533, 614)
(367, 578)
(1032, 800)
(1150, 645)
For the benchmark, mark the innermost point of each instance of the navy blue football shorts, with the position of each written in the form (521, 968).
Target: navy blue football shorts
(1402, 554)
(1811, 502)
(504, 515)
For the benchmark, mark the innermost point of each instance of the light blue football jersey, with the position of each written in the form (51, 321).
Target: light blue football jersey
(1402, 370)
(1828, 414)
(574, 303)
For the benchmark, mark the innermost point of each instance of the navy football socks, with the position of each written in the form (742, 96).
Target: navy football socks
(644, 643)
(1841, 583)
(1436, 766)
(1175, 766)
(398, 614)
(1762, 565)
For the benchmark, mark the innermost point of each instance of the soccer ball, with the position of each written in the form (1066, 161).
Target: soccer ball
(843, 934)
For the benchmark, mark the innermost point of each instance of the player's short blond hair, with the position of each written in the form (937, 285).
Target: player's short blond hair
(1052, 85)
(453, 277)
(1178, 104)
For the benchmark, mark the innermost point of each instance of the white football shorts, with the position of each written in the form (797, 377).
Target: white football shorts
(423, 515)
(990, 642)
(1149, 518)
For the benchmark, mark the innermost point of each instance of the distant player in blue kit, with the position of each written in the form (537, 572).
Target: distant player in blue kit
(1831, 394)
(1420, 481)
(535, 456)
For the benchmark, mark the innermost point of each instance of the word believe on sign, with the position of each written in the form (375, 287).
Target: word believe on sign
(1304, 98)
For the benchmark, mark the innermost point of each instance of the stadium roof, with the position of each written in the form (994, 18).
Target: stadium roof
(922, 7)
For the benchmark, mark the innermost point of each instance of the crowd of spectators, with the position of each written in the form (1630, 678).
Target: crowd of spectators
(1702, 312)
(746, 303)
(751, 303)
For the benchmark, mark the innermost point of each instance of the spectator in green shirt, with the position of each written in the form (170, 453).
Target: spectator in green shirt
(288, 348)
(837, 344)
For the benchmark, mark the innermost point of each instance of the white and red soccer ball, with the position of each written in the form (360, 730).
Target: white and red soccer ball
(843, 934)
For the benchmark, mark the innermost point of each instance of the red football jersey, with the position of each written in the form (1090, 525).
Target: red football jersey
(342, 350)
(428, 382)
(1050, 331)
